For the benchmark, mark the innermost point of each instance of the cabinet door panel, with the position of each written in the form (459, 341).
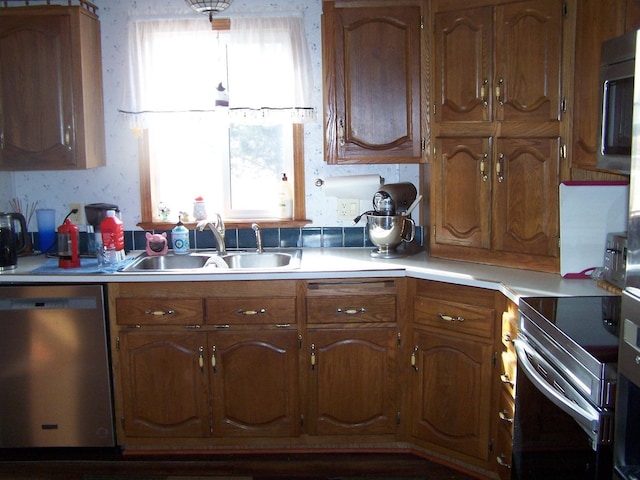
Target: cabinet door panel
(36, 91)
(597, 21)
(164, 387)
(462, 70)
(452, 398)
(372, 84)
(462, 194)
(255, 383)
(352, 382)
(528, 60)
(526, 202)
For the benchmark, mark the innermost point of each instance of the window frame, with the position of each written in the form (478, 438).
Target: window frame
(146, 175)
(299, 210)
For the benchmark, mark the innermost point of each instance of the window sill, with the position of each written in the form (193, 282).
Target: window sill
(230, 223)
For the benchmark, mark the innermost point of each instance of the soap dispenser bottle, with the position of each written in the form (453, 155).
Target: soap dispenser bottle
(180, 239)
(285, 199)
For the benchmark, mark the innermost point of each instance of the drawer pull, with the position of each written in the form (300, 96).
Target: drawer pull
(214, 363)
(283, 325)
(503, 416)
(160, 313)
(352, 311)
(201, 357)
(222, 325)
(252, 312)
(192, 327)
(501, 462)
(449, 318)
(313, 356)
(504, 378)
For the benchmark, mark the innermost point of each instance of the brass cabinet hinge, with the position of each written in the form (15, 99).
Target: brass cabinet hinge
(423, 144)
(398, 419)
(565, 10)
(491, 446)
(301, 421)
(563, 105)
(117, 344)
(494, 360)
(399, 339)
(421, 22)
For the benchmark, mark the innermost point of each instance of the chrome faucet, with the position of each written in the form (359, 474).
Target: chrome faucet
(256, 228)
(218, 231)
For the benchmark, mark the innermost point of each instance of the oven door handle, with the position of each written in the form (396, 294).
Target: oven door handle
(585, 415)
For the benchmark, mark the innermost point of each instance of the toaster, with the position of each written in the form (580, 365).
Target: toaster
(615, 259)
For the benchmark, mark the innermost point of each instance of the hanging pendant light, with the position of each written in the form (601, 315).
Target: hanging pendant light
(210, 7)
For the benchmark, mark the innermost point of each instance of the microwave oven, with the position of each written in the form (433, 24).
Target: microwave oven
(617, 68)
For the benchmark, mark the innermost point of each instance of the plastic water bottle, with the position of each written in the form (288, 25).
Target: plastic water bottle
(112, 233)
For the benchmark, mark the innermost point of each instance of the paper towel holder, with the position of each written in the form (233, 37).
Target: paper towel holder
(319, 182)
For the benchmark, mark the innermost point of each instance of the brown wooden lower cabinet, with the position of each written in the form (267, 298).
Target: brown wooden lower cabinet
(164, 390)
(451, 401)
(170, 380)
(342, 364)
(352, 382)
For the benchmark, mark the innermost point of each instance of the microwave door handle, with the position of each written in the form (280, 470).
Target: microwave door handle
(586, 416)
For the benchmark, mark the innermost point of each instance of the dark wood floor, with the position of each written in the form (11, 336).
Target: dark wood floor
(58, 465)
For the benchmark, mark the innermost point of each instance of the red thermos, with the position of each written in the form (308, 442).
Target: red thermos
(68, 246)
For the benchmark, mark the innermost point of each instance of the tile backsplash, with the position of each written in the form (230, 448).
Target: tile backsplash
(309, 237)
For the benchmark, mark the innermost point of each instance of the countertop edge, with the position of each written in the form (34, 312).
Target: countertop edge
(319, 263)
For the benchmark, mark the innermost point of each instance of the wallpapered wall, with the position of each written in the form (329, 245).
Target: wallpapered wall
(118, 181)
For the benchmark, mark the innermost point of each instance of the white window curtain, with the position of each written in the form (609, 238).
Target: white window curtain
(268, 71)
(270, 77)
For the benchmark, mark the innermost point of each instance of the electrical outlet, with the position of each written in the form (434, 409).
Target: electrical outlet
(348, 209)
(77, 218)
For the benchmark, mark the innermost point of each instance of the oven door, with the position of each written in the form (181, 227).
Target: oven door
(557, 432)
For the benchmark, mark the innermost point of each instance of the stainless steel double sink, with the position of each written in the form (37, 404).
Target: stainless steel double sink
(202, 261)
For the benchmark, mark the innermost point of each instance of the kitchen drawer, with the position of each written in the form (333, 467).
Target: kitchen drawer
(504, 449)
(506, 409)
(454, 316)
(509, 329)
(159, 311)
(508, 370)
(351, 309)
(279, 311)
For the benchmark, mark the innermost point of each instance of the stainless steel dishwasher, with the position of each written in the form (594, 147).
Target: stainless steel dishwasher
(55, 388)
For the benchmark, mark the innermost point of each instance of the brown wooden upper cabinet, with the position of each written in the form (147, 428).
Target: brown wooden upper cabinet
(51, 106)
(371, 70)
(597, 21)
(497, 127)
(505, 71)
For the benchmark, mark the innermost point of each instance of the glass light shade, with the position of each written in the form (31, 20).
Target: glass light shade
(210, 7)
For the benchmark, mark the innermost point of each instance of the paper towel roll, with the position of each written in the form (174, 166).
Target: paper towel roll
(352, 186)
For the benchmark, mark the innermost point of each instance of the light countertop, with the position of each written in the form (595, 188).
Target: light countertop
(338, 263)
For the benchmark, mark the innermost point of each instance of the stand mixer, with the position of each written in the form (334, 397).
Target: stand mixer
(389, 224)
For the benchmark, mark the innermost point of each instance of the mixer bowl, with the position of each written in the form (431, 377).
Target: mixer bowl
(387, 232)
